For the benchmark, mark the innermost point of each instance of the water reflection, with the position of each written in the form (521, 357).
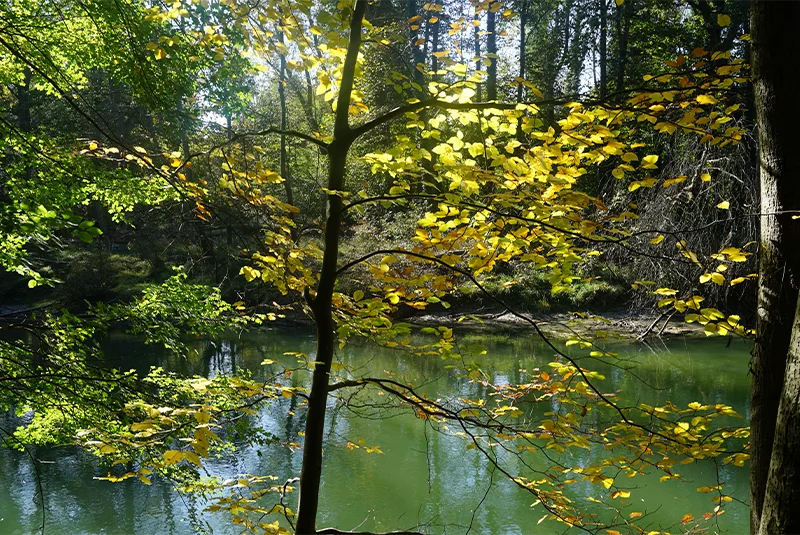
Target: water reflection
(423, 477)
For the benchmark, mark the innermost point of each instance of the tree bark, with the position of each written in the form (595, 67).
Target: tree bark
(287, 184)
(623, 32)
(417, 55)
(23, 108)
(491, 52)
(321, 303)
(780, 513)
(603, 48)
(435, 45)
(476, 43)
(523, 19)
(776, 51)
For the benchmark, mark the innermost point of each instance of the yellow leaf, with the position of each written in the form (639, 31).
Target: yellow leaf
(620, 494)
(724, 205)
(192, 457)
(687, 518)
(723, 20)
(649, 162)
(717, 278)
(658, 239)
(676, 180)
(705, 177)
(607, 482)
(635, 514)
(172, 457)
(681, 428)
(665, 291)
(249, 273)
(706, 99)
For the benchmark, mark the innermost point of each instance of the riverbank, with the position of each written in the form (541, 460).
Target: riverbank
(615, 324)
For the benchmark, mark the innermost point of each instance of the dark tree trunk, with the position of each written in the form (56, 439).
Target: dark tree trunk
(321, 303)
(773, 469)
(284, 164)
(623, 25)
(603, 48)
(23, 108)
(417, 55)
(477, 46)
(435, 46)
(523, 19)
(780, 513)
(491, 51)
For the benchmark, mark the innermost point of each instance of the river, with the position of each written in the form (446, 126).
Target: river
(422, 477)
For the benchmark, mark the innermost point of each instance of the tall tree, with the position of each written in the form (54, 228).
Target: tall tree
(775, 414)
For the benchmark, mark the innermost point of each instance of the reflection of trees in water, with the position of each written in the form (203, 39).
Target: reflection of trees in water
(414, 454)
(221, 359)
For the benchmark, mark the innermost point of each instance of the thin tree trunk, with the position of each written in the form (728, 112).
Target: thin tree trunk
(491, 52)
(623, 32)
(477, 46)
(287, 184)
(435, 46)
(321, 303)
(776, 51)
(23, 110)
(603, 48)
(417, 55)
(523, 19)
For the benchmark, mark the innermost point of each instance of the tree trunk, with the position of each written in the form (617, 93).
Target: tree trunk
(321, 303)
(780, 513)
(417, 55)
(523, 19)
(491, 52)
(477, 46)
(776, 51)
(435, 45)
(623, 32)
(603, 48)
(287, 184)
(23, 111)
(23, 108)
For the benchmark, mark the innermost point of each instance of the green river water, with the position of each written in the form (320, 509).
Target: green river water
(422, 478)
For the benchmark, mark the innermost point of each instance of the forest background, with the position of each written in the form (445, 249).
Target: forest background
(366, 162)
